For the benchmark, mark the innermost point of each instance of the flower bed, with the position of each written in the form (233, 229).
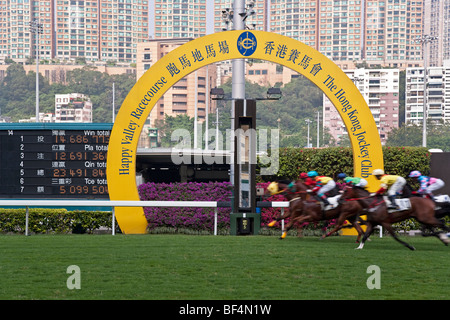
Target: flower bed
(195, 219)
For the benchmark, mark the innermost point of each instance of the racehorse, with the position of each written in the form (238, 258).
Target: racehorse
(303, 209)
(442, 208)
(377, 214)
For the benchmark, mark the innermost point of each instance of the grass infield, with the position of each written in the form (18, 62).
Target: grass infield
(174, 267)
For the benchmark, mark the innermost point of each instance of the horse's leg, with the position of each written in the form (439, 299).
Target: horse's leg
(339, 223)
(358, 229)
(279, 217)
(324, 229)
(367, 234)
(432, 222)
(300, 231)
(287, 227)
(389, 228)
(299, 219)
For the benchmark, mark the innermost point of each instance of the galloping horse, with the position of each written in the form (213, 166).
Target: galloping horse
(442, 209)
(377, 214)
(301, 209)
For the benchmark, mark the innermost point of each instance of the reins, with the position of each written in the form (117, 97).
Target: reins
(355, 199)
(373, 204)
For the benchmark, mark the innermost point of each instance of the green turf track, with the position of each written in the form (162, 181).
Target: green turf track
(172, 267)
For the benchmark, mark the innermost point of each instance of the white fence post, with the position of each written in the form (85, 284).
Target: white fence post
(26, 220)
(113, 225)
(215, 221)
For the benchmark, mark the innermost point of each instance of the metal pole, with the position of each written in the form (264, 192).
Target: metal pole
(424, 124)
(307, 142)
(113, 102)
(238, 75)
(195, 111)
(217, 128)
(207, 109)
(424, 40)
(318, 131)
(36, 28)
(37, 73)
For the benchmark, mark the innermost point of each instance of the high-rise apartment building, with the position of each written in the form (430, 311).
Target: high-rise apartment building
(437, 24)
(297, 19)
(380, 89)
(392, 28)
(382, 33)
(16, 40)
(179, 18)
(340, 29)
(103, 30)
(438, 94)
(78, 30)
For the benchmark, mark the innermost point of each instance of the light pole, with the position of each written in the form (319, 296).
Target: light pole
(307, 142)
(424, 40)
(37, 28)
(318, 130)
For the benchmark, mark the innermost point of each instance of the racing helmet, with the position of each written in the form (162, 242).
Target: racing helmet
(273, 188)
(341, 175)
(378, 172)
(303, 175)
(312, 174)
(415, 174)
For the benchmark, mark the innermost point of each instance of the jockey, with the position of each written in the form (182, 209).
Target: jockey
(310, 182)
(323, 185)
(341, 177)
(356, 181)
(391, 183)
(427, 184)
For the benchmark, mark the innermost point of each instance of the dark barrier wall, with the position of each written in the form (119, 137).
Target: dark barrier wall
(440, 168)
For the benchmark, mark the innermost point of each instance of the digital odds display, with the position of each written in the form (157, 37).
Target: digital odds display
(54, 160)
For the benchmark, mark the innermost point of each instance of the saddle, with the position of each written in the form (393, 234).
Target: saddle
(442, 198)
(334, 202)
(402, 204)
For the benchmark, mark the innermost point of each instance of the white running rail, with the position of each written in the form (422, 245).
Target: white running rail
(121, 203)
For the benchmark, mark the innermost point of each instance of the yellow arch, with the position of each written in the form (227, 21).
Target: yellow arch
(121, 161)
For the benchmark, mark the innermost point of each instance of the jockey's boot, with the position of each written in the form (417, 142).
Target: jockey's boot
(392, 200)
(325, 200)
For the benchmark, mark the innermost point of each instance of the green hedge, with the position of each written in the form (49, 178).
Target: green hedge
(53, 221)
(331, 161)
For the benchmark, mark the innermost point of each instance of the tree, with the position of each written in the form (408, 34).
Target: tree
(169, 124)
(18, 91)
(438, 136)
(300, 100)
(407, 135)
